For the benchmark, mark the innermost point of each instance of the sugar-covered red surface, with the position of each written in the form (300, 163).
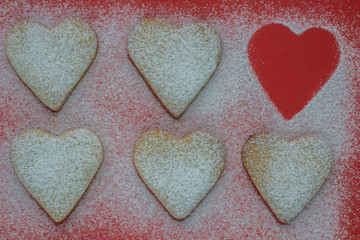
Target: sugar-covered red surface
(114, 101)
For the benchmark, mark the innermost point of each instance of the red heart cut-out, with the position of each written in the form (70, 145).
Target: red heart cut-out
(292, 68)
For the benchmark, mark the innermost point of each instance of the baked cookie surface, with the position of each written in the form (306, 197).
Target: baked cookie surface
(287, 173)
(179, 172)
(56, 170)
(175, 62)
(51, 62)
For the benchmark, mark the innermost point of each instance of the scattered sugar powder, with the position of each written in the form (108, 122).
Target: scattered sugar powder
(287, 174)
(180, 172)
(51, 62)
(114, 101)
(56, 170)
(176, 62)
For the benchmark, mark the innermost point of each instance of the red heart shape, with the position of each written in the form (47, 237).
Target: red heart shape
(292, 68)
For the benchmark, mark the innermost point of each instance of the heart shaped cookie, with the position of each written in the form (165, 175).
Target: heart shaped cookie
(175, 62)
(56, 170)
(287, 174)
(180, 172)
(292, 68)
(51, 62)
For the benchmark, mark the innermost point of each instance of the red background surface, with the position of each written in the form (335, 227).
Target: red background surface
(114, 102)
(292, 68)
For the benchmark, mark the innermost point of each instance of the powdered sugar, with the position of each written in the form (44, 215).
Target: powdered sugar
(56, 170)
(180, 172)
(176, 62)
(287, 174)
(51, 62)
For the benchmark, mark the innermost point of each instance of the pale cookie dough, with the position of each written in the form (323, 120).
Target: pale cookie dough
(287, 173)
(51, 62)
(175, 62)
(179, 172)
(56, 170)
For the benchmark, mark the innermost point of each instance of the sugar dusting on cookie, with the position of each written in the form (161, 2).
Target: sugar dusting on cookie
(176, 62)
(287, 174)
(51, 62)
(180, 172)
(56, 170)
(115, 102)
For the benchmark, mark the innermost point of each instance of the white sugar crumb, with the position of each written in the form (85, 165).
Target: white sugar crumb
(287, 174)
(56, 170)
(176, 62)
(179, 172)
(51, 62)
